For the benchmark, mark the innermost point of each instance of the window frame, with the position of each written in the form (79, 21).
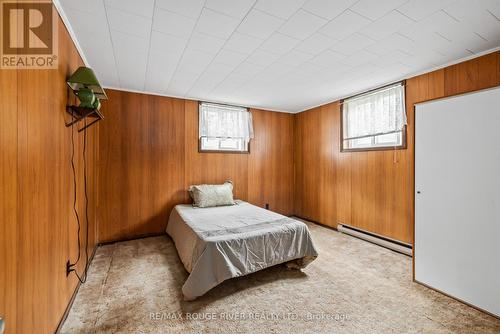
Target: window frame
(404, 144)
(201, 150)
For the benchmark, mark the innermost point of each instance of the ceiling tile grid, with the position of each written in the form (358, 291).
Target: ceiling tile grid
(286, 55)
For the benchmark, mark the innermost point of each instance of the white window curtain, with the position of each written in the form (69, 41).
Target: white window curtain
(221, 121)
(376, 113)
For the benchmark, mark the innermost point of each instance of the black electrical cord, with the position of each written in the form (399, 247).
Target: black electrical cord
(84, 279)
(74, 187)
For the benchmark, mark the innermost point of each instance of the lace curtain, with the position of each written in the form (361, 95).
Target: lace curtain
(380, 112)
(220, 121)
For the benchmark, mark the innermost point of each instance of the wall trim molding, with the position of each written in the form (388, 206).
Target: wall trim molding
(195, 99)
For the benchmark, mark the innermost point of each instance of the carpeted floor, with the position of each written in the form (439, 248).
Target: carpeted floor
(352, 287)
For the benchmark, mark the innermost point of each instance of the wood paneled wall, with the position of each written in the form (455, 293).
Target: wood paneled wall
(38, 230)
(372, 190)
(149, 157)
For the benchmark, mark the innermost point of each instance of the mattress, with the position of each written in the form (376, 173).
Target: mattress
(219, 243)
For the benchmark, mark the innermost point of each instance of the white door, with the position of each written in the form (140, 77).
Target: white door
(457, 197)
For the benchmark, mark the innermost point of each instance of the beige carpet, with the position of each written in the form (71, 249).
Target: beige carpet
(353, 287)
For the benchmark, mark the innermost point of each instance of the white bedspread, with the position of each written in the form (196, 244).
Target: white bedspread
(219, 243)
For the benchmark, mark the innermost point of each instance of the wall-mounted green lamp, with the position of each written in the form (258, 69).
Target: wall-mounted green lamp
(89, 91)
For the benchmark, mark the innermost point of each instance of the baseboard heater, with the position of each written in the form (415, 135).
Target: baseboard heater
(395, 245)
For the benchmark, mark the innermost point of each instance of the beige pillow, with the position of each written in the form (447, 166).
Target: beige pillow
(209, 195)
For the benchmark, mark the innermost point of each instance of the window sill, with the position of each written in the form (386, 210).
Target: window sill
(224, 152)
(371, 149)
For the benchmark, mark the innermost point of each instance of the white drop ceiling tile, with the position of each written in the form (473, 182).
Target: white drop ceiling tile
(276, 70)
(398, 56)
(486, 45)
(328, 9)
(302, 25)
(205, 43)
(351, 44)
(218, 70)
(489, 29)
(419, 9)
(478, 15)
(159, 73)
(493, 6)
(386, 25)
(389, 44)
(223, 90)
(131, 24)
(432, 23)
(417, 63)
(89, 6)
(172, 23)
(344, 25)
(87, 25)
(384, 61)
(235, 80)
(194, 61)
(189, 8)
(376, 9)
(247, 69)
(433, 41)
(209, 80)
(307, 69)
(130, 62)
(449, 49)
(236, 9)
(143, 8)
(460, 33)
(92, 33)
(294, 58)
(259, 24)
(416, 31)
(122, 42)
(360, 58)
(451, 29)
(170, 47)
(229, 57)
(102, 63)
(262, 58)
(327, 58)
(279, 44)
(398, 70)
(182, 82)
(201, 90)
(470, 11)
(164, 55)
(216, 24)
(280, 8)
(243, 43)
(315, 44)
(363, 70)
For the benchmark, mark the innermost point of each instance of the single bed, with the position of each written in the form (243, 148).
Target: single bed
(219, 243)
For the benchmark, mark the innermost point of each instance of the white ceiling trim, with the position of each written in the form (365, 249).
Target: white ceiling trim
(198, 100)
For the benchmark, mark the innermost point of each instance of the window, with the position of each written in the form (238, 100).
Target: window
(375, 120)
(224, 128)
